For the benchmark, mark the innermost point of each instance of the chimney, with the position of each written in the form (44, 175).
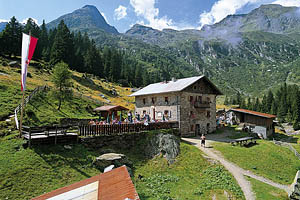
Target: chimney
(174, 79)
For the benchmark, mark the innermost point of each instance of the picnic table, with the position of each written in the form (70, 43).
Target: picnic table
(244, 141)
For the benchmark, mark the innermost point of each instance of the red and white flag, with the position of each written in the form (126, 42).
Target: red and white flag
(28, 46)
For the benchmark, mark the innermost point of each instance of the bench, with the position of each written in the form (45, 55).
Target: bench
(243, 141)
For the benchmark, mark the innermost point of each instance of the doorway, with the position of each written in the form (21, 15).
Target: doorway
(197, 129)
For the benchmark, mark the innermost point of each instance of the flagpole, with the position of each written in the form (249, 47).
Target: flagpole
(23, 90)
(22, 108)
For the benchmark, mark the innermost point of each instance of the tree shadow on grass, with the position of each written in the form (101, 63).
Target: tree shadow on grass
(88, 84)
(285, 138)
(57, 157)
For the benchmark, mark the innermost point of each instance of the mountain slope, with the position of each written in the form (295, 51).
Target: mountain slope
(2, 26)
(249, 53)
(83, 18)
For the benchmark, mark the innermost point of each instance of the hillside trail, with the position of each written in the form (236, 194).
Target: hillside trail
(238, 173)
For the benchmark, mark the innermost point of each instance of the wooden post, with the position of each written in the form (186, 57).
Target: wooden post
(29, 143)
(22, 108)
(55, 139)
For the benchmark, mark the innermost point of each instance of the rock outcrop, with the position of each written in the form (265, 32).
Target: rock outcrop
(115, 159)
(166, 144)
(295, 188)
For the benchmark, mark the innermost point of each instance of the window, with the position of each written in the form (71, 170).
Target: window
(200, 99)
(144, 101)
(166, 100)
(195, 87)
(192, 127)
(208, 114)
(208, 100)
(153, 100)
(191, 98)
(192, 114)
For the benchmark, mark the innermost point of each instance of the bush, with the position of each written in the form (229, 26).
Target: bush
(296, 126)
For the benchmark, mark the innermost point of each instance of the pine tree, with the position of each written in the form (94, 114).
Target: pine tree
(269, 101)
(63, 47)
(32, 28)
(226, 101)
(256, 106)
(138, 80)
(263, 106)
(296, 112)
(61, 78)
(249, 104)
(107, 61)
(11, 38)
(44, 43)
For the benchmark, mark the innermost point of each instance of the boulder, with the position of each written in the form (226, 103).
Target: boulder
(166, 144)
(115, 159)
(295, 187)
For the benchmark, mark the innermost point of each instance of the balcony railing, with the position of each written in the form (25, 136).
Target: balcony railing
(198, 104)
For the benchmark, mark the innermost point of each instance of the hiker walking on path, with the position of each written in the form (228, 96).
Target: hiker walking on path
(202, 140)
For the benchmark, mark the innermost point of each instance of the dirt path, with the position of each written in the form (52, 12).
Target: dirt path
(235, 170)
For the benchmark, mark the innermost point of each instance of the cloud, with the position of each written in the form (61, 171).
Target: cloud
(147, 10)
(4, 20)
(104, 16)
(24, 21)
(222, 8)
(120, 12)
(287, 2)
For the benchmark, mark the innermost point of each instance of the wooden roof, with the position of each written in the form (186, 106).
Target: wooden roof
(173, 86)
(113, 185)
(251, 112)
(110, 108)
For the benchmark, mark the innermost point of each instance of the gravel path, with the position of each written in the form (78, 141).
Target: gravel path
(238, 173)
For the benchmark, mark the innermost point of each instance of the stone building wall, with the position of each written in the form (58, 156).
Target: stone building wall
(159, 105)
(180, 106)
(196, 120)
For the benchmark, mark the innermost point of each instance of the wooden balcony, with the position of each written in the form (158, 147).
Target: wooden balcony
(198, 104)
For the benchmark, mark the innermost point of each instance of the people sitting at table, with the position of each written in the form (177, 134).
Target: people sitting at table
(92, 122)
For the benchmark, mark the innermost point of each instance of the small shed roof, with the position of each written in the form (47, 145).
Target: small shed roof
(110, 108)
(113, 185)
(251, 112)
(172, 86)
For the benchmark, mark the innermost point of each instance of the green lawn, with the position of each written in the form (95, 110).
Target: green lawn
(266, 159)
(26, 173)
(266, 192)
(190, 177)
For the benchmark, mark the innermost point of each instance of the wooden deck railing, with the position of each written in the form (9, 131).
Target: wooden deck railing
(117, 129)
(45, 131)
(27, 100)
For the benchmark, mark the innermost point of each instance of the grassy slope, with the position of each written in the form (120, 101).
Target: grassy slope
(186, 179)
(85, 94)
(265, 159)
(25, 173)
(266, 192)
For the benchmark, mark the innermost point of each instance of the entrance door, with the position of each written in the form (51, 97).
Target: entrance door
(153, 114)
(197, 130)
(207, 127)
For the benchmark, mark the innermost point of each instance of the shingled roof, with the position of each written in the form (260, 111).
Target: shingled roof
(113, 185)
(251, 112)
(172, 86)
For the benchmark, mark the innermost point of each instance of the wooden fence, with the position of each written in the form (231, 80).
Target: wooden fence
(27, 100)
(44, 133)
(289, 146)
(119, 129)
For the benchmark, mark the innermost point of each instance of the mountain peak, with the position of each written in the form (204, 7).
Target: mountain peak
(84, 18)
(90, 7)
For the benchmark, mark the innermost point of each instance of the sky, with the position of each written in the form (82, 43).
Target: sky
(158, 14)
